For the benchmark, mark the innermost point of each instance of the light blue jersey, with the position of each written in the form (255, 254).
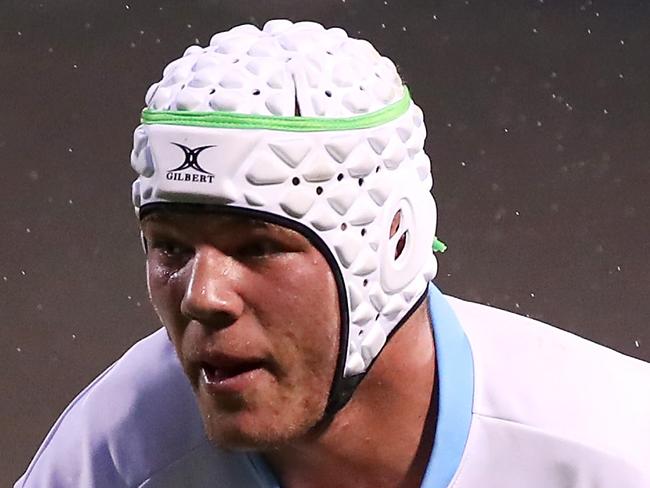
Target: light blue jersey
(521, 404)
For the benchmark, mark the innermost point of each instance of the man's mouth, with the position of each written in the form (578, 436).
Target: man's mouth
(226, 375)
(216, 374)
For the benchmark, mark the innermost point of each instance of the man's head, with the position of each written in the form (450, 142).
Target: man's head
(313, 134)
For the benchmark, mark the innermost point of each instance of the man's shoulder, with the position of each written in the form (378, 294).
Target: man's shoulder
(134, 422)
(541, 378)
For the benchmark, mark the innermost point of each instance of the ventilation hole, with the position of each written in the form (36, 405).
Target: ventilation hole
(344, 226)
(365, 282)
(394, 225)
(295, 181)
(340, 176)
(400, 244)
(296, 105)
(319, 190)
(212, 91)
(328, 93)
(360, 181)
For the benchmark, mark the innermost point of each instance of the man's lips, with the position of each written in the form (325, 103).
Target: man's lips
(221, 373)
(214, 373)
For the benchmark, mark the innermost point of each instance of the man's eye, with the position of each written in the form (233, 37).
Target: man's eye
(169, 249)
(260, 248)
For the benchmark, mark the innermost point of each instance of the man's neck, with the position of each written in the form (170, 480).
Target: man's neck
(383, 436)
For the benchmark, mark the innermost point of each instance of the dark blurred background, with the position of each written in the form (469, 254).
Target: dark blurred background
(538, 117)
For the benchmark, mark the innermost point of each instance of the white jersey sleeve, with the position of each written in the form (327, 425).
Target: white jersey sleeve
(136, 425)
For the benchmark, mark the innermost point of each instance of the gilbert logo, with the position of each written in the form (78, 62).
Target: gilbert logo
(191, 162)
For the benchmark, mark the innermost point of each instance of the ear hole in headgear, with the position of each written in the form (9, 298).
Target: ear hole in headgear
(397, 218)
(401, 244)
(394, 227)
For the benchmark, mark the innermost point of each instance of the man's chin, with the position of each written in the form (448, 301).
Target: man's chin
(246, 431)
(235, 438)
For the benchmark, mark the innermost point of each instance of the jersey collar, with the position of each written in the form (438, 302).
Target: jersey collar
(456, 392)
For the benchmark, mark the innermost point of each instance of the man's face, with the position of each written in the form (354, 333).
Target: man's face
(252, 310)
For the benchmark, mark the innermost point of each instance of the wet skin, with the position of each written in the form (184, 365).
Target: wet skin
(252, 311)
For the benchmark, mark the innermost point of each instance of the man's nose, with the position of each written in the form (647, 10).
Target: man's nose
(211, 295)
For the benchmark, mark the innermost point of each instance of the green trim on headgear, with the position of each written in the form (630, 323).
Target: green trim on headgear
(230, 120)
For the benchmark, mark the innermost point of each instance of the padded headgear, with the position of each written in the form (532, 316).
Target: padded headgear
(221, 127)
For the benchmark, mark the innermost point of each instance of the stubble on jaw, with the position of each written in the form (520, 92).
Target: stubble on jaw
(283, 409)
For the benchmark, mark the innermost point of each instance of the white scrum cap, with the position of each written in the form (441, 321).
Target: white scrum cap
(310, 128)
